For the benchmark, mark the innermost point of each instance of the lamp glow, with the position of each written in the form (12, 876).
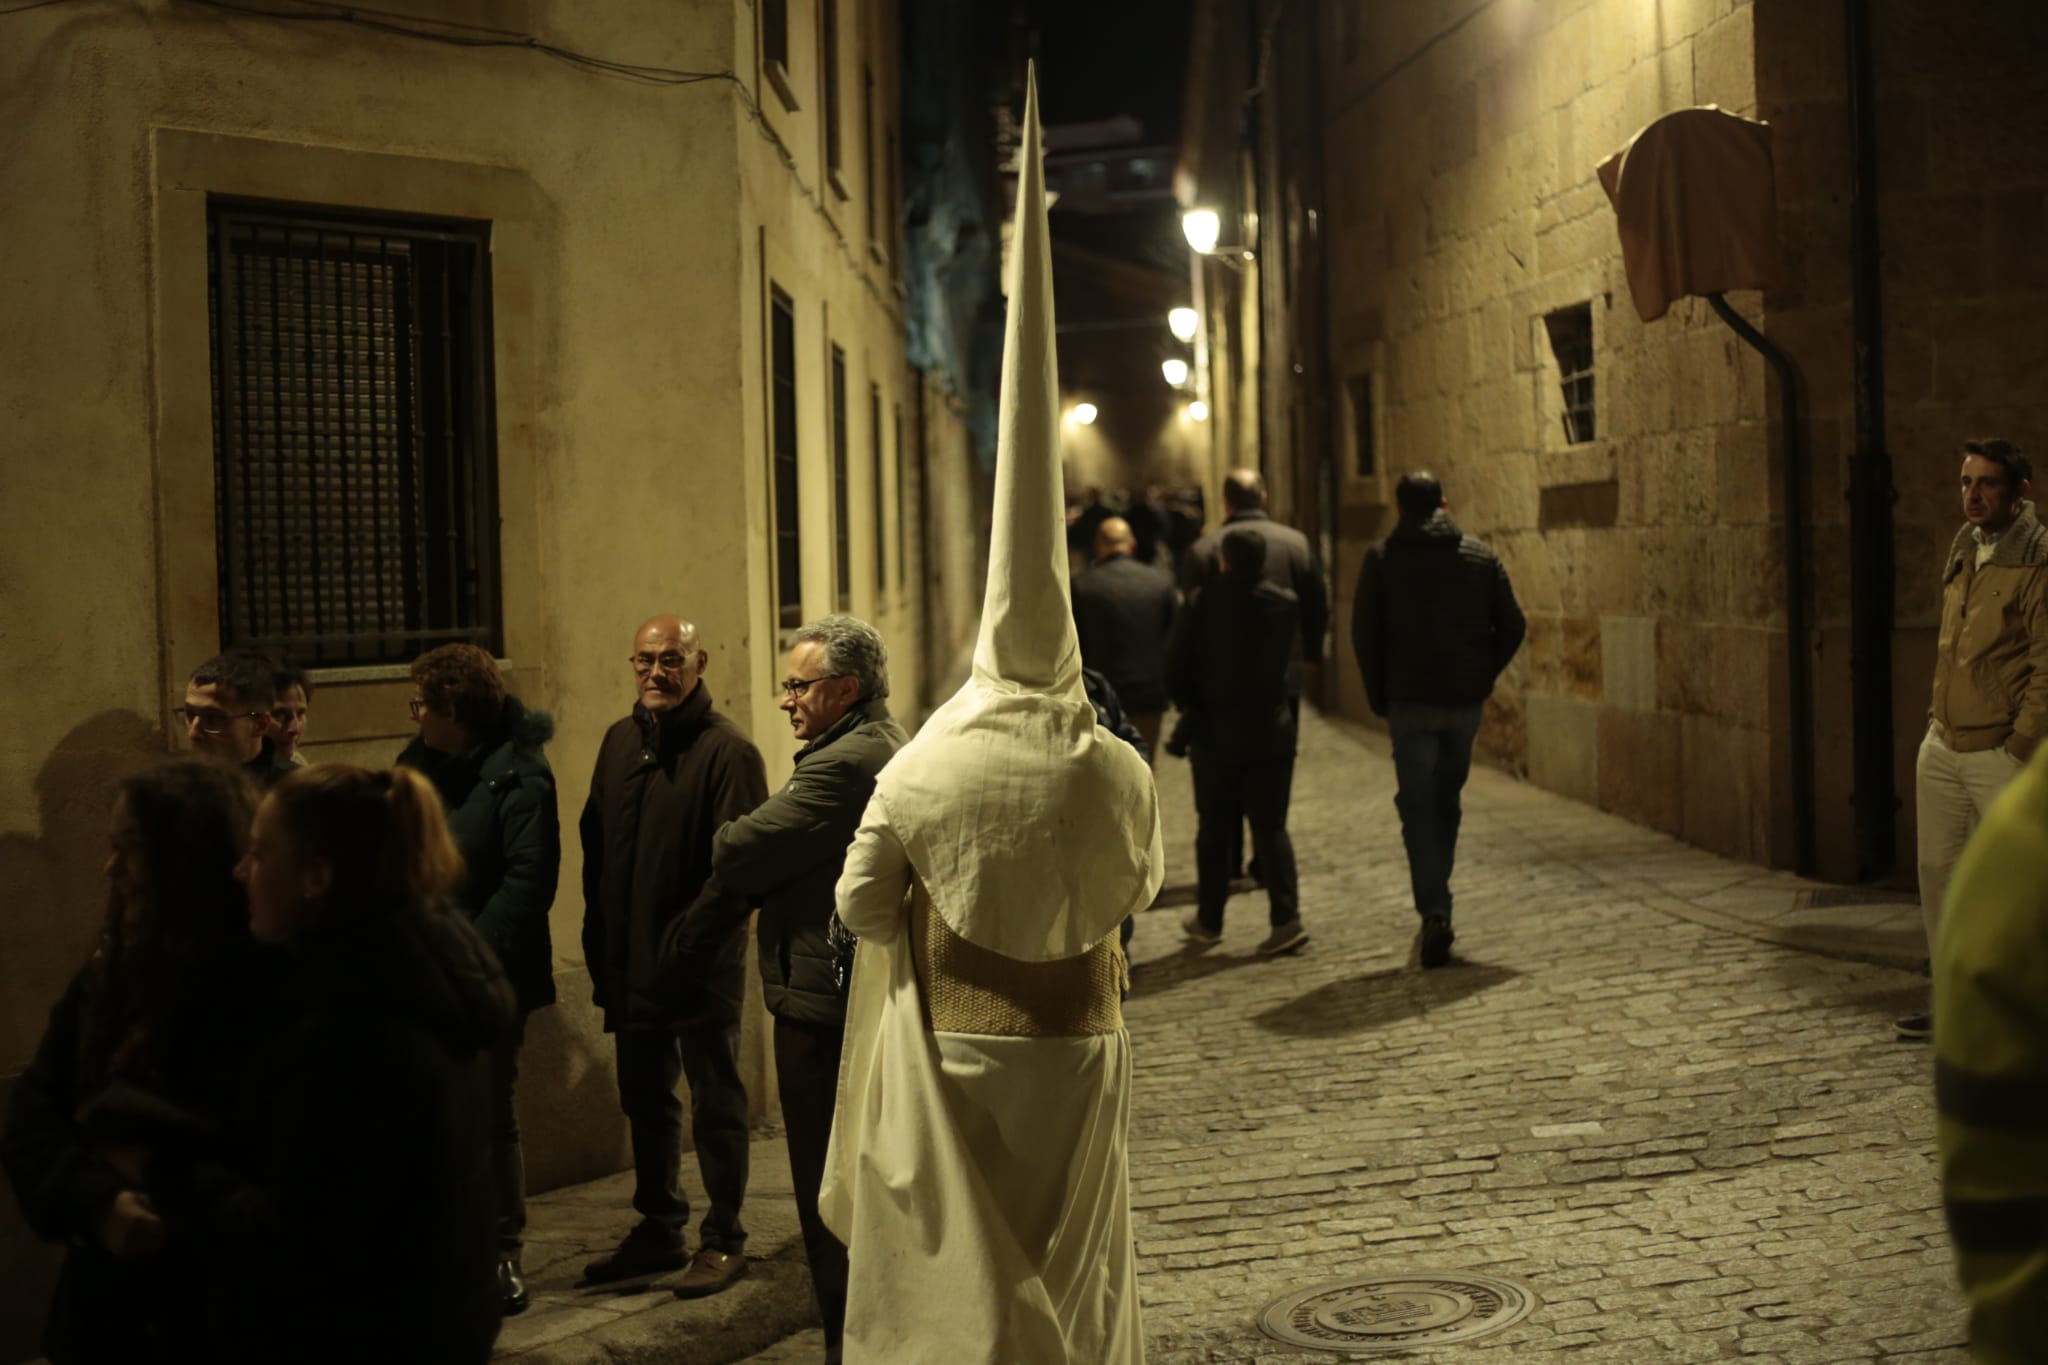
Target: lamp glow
(1202, 228)
(1198, 411)
(1175, 370)
(1085, 414)
(1182, 322)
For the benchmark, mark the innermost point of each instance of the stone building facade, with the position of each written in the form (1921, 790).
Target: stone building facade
(677, 336)
(1437, 279)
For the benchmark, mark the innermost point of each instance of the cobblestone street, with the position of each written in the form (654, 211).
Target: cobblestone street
(1691, 1144)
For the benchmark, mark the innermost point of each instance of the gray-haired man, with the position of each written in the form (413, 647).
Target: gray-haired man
(786, 858)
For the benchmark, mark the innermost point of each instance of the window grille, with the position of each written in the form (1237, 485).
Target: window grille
(1571, 342)
(1365, 456)
(828, 28)
(881, 522)
(789, 577)
(842, 538)
(355, 450)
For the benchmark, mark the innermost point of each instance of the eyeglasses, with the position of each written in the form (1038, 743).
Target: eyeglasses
(211, 721)
(667, 663)
(415, 707)
(796, 687)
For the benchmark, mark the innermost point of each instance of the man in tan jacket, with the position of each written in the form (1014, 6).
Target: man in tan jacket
(1990, 704)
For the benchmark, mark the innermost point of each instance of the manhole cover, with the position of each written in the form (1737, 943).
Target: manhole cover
(1396, 1312)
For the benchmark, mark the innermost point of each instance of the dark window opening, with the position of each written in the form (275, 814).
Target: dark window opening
(789, 584)
(881, 508)
(1571, 341)
(902, 505)
(842, 539)
(828, 29)
(894, 207)
(775, 35)
(868, 188)
(354, 430)
(1365, 455)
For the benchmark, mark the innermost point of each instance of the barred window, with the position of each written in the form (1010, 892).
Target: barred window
(1571, 342)
(355, 456)
(842, 511)
(788, 558)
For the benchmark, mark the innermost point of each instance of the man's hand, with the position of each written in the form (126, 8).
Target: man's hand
(130, 1228)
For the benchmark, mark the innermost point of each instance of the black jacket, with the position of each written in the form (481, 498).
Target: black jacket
(661, 789)
(1109, 709)
(1435, 619)
(1290, 564)
(350, 1214)
(1227, 668)
(109, 1310)
(500, 797)
(1123, 612)
(786, 856)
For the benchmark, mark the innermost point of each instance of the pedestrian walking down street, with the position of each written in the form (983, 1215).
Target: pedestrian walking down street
(1123, 614)
(481, 748)
(1290, 564)
(165, 1014)
(227, 714)
(1989, 708)
(1991, 1057)
(1227, 669)
(1434, 622)
(668, 776)
(786, 856)
(294, 697)
(355, 1218)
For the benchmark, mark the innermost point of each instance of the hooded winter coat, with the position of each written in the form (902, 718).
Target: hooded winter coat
(662, 787)
(500, 797)
(350, 1214)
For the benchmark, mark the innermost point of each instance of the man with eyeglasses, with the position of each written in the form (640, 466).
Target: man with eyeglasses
(667, 777)
(226, 714)
(786, 857)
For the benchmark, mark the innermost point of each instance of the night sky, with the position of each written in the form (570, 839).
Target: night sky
(1106, 57)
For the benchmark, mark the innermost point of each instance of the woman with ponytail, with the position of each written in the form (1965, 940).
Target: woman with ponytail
(142, 1054)
(359, 1222)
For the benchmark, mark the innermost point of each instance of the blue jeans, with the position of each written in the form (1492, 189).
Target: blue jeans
(1432, 758)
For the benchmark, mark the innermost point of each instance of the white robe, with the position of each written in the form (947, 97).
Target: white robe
(979, 1182)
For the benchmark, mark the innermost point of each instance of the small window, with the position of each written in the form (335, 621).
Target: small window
(902, 504)
(1571, 342)
(788, 547)
(869, 191)
(354, 429)
(1365, 455)
(775, 48)
(842, 538)
(828, 39)
(894, 206)
(876, 449)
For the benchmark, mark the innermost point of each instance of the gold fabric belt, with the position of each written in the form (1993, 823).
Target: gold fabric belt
(968, 989)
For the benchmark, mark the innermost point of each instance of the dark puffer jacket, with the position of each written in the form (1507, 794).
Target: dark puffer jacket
(359, 1147)
(786, 856)
(1435, 619)
(500, 797)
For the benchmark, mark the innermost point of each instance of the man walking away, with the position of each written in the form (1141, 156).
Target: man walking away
(1434, 623)
(227, 713)
(1290, 564)
(1990, 703)
(786, 857)
(667, 777)
(1227, 669)
(1123, 612)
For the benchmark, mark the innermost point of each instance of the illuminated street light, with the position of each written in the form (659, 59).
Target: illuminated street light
(1198, 411)
(1085, 414)
(1182, 322)
(1203, 229)
(1175, 370)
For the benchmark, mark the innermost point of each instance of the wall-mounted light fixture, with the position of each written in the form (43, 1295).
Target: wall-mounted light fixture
(1204, 229)
(1175, 369)
(1183, 322)
(1198, 411)
(1084, 413)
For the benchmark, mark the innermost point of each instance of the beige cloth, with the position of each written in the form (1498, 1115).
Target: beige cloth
(1951, 792)
(1696, 206)
(977, 1166)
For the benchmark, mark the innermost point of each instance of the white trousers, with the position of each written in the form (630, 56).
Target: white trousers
(1952, 791)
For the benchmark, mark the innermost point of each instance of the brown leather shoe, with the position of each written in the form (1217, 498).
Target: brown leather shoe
(710, 1271)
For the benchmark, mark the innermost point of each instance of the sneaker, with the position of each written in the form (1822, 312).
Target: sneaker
(1436, 940)
(651, 1248)
(1192, 926)
(512, 1287)
(710, 1271)
(1284, 939)
(1916, 1027)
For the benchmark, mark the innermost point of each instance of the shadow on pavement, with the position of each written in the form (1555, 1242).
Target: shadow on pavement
(1173, 897)
(1192, 963)
(1379, 998)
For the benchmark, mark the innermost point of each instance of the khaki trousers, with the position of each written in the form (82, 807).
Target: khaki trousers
(1952, 791)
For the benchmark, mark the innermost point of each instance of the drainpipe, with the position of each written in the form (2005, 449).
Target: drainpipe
(1871, 494)
(1798, 686)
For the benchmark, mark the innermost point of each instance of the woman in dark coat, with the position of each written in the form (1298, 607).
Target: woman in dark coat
(481, 748)
(140, 1050)
(356, 1219)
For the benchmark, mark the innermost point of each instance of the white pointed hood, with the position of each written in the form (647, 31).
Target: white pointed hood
(1034, 830)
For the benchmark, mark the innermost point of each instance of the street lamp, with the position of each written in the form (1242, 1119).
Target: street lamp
(1182, 322)
(1202, 228)
(1085, 414)
(1175, 369)
(1198, 411)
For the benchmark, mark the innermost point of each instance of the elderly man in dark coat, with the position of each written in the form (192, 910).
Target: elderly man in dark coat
(668, 776)
(786, 857)
(1123, 612)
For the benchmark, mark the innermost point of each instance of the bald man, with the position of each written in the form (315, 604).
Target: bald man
(667, 777)
(1123, 612)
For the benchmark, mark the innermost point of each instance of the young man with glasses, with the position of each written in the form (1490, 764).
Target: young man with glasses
(226, 714)
(667, 777)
